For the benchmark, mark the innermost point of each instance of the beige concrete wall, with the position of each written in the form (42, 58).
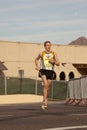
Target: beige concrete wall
(73, 54)
(18, 56)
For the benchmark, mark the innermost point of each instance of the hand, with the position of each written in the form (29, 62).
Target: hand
(37, 68)
(52, 61)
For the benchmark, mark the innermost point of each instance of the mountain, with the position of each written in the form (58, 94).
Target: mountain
(80, 41)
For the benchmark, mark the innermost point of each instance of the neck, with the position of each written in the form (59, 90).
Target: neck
(48, 51)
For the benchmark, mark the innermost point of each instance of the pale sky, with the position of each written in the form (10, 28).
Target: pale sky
(60, 21)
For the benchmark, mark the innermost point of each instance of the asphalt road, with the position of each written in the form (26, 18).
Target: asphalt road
(32, 117)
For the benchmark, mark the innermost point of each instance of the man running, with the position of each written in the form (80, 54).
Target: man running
(48, 59)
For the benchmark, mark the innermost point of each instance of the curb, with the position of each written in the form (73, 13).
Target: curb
(15, 99)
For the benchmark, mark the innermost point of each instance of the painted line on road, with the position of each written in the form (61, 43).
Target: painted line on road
(5, 115)
(85, 114)
(67, 128)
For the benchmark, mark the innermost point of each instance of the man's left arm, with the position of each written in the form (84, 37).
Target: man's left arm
(57, 62)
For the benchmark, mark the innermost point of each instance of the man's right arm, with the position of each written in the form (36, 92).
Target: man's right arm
(37, 61)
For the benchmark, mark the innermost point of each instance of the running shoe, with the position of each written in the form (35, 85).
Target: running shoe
(44, 105)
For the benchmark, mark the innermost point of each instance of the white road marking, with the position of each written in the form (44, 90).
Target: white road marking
(67, 128)
(2, 116)
(85, 114)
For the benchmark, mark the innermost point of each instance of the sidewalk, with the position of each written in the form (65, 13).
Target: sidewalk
(17, 98)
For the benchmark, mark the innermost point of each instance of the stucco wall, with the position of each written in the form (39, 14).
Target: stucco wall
(18, 56)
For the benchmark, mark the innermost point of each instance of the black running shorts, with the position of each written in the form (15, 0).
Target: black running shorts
(50, 74)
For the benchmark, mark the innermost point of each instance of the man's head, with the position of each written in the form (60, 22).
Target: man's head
(47, 45)
(47, 42)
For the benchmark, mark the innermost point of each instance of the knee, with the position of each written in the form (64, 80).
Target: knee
(46, 86)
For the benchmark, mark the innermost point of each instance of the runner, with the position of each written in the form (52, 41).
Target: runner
(48, 59)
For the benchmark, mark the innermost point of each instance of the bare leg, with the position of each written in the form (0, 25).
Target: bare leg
(47, 84)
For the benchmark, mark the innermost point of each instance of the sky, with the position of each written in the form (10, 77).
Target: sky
(59, 21)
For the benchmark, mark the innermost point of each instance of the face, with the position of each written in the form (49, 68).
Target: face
(48, 46)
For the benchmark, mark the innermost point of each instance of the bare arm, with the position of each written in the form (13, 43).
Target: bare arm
(37, 61)
(55, 61)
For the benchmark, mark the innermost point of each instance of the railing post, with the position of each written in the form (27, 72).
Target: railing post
(52, 90)
(5, 79)
(36, 86)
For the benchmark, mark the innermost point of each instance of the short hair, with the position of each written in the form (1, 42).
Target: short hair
(46, 42)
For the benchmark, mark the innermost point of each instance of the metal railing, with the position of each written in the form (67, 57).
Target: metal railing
(77, 88)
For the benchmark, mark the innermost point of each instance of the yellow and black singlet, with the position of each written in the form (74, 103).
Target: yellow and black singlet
(45, 64)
